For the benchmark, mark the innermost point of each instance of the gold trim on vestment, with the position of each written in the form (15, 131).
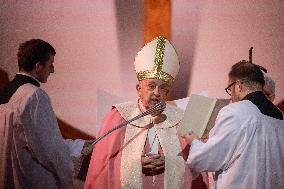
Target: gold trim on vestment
(134, 142)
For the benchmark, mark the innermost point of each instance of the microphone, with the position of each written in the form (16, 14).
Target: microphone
(157, 107)
(87, 152)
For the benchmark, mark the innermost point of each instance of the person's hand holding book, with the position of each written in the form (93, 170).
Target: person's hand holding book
(190, 137)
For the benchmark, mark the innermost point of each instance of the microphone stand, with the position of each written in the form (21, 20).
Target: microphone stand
(87, 152)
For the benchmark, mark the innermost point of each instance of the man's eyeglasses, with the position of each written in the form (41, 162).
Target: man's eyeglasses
(228, 89)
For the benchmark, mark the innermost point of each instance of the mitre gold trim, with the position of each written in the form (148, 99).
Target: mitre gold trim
(157, 72)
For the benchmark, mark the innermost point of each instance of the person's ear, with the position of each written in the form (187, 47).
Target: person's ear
(239, 85)
(138, 87)
(37, 67)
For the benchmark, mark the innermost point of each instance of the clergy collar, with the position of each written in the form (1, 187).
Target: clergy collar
(20, 79)
(265, 106)
(253, 95)
(28, 75)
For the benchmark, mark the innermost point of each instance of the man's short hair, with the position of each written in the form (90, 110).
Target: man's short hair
(32, 52)
(247, 72)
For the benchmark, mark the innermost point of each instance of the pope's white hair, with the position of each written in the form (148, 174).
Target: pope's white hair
(269, 83)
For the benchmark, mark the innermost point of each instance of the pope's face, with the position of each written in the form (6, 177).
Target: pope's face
(152, 91)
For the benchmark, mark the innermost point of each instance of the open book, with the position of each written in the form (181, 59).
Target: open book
(200, 114)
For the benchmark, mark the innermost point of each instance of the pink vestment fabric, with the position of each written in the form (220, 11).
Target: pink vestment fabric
(104, 168)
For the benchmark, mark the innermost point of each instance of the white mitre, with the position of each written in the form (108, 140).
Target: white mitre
(157, 60)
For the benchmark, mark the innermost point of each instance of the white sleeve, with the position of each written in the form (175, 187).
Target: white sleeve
(217, 153)
(44, 139)
(195, 145)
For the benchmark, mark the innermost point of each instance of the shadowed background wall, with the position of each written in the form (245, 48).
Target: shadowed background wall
(96, 42)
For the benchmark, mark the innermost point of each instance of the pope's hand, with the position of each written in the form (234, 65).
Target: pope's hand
(153, 164)
(190, 137)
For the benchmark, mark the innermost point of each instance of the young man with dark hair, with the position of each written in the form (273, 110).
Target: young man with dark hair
(246, 146)
(33, 152)
(32, 52)
(35, 61)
